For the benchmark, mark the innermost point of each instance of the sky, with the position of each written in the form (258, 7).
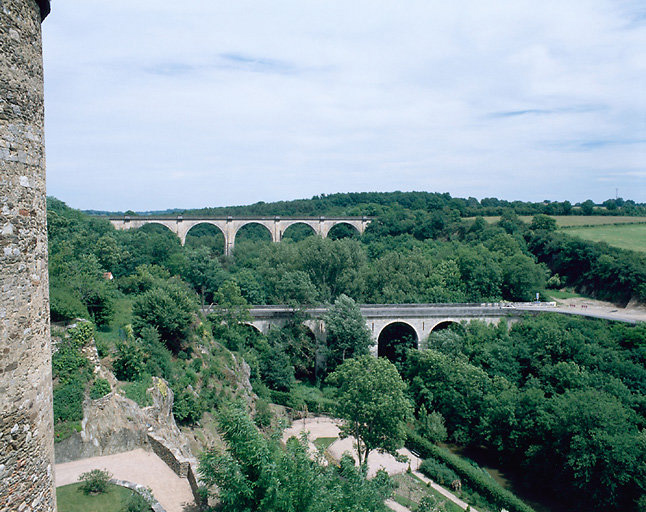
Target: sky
(152, 105)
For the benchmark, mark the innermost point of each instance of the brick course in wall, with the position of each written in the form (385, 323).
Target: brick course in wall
(26, 426)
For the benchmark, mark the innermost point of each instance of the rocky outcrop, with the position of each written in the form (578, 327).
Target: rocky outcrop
(114, 424)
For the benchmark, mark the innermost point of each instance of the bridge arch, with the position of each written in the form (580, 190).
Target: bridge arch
(207, 223)
(213, 226)
(293, 228)
(395, 338)
(167, 225)
(243, 225)
(331, 225)
(252, 327)
(444, 324)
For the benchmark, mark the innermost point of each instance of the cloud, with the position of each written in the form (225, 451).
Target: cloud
(153, 105)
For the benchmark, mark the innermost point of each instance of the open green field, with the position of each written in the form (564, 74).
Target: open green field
(71, 499)
(562, 294)
(567, 221)
(630, 236)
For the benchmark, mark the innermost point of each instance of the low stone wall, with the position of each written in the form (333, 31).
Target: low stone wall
(194, 482)
(140, 489)
(182, 466)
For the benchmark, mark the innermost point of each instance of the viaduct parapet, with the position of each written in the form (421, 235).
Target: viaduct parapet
(26, 423)
(229, 226)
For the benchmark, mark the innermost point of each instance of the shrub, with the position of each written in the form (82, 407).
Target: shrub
(437, 471)
(187, 408)
(63, 305)
(102, 346)
(311, 397)
(158, 357)
(68, 401)
(81, 334)
(69, 364)
(136, 391)
(95, 481)
(276, 369)
(554, 282)
(432, 425)
(66, 429)
(136, 503)
(99, 389)
(263, 414)
(129, 364)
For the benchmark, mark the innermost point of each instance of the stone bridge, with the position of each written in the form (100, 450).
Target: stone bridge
(229, 226)
(390, 323)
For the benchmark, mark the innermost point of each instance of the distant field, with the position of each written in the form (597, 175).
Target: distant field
(631, 236)
(566, 221)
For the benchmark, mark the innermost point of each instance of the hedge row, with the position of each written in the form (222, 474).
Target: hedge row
(474, 477)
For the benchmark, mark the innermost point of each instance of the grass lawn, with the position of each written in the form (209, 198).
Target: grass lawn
(70, 498)
(411, 489)
(322, 443)
(631, 236)
(562, 294)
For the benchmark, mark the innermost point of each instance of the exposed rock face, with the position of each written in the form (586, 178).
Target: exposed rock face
(114, 424)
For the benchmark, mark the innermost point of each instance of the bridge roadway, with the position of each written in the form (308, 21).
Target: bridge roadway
(229, 226)
(419, 320)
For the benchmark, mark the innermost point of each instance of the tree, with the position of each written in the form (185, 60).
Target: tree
(129, 364)
(544, 222)
(587, 207)
(295, 288)
(254, 473)
(232, 308)
(522, 278)
(170, 309)
(202, 271)
(347, 333)
(373, 403)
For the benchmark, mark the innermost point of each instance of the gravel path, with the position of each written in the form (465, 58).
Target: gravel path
(137, 466)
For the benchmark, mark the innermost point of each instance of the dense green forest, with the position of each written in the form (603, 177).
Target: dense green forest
(376, 203)
(559, 401)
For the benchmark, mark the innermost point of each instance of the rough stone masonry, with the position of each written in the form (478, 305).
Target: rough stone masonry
(26, 426)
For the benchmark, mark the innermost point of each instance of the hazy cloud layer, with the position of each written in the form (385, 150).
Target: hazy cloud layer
(153, 105)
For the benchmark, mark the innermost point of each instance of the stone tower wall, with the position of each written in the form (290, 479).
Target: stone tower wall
(26, 427)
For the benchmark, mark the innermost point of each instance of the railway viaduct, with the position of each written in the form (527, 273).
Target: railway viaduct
(229, 226)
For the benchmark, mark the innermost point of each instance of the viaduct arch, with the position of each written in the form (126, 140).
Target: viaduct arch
(229, 226)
